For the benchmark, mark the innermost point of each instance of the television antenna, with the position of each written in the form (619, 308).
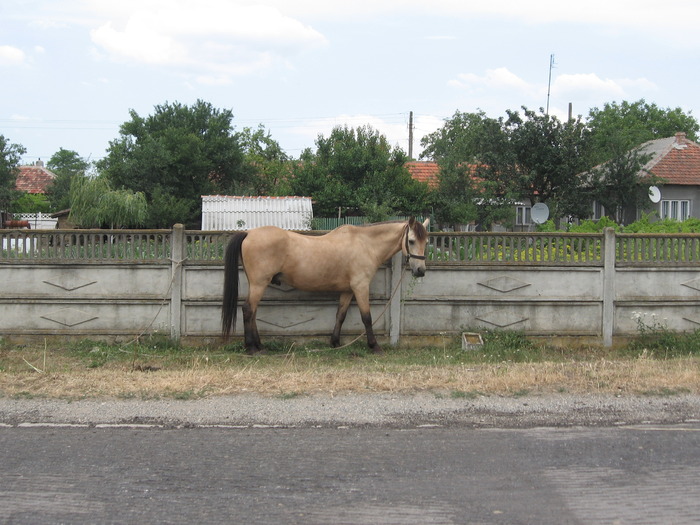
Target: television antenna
(549, 82)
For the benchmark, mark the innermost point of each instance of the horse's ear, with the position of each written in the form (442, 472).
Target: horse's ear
(426, 223)
(411, 221)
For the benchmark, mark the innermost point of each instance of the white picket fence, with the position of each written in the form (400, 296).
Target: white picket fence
(37, 221)
(232, 213)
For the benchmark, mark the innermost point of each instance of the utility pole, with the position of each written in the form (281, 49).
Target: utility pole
(410, 135)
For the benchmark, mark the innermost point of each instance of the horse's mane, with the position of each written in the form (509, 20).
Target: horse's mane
(418, 228)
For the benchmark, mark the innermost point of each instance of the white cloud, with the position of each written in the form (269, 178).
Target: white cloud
(604, 12)
(590, 87)
(217, 38)
(394, 128)
(11, 56)
(499, 78)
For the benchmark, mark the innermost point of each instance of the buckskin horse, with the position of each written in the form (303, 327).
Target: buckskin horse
(343, 260)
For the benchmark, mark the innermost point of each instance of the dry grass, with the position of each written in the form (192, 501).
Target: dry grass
(37, 372)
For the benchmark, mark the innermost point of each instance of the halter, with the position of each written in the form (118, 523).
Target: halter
(409, 255)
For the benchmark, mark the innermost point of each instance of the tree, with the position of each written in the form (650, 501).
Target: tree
(618, 186)
(10, 155)
(618, 128)
(95, 204)
(268, 161)
(549, 157)
(182, 152)
(65, 164)
(357, 168)
(476, 170)
(487, 165)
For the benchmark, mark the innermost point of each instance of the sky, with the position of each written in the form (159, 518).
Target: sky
(72, 70)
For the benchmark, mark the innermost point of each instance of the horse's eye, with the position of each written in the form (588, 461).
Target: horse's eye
(411, 241)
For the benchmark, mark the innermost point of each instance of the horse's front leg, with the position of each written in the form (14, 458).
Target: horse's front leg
(345, 299)
(362, 299)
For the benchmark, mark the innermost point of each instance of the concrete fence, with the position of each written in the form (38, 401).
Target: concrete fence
(122, 284)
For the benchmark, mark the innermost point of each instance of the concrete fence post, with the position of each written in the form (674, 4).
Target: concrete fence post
(177, 258)
(395, 305)
(608, 321)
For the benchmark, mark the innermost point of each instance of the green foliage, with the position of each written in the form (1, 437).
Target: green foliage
(547, 227)
(31, 203)
(95, 204)
(620, 127)
(493, 163)
(357, 169)
(476, 166)
(591, 226)
(181, 151)
(65, 164)
(267, 160)
(644, 225)
(549, 154)
(655, 340)
(167, 209)
(10, 155)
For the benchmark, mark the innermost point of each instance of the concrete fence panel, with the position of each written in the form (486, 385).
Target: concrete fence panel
(124, 283)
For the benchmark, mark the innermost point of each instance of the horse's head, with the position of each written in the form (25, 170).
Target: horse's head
(413, 247)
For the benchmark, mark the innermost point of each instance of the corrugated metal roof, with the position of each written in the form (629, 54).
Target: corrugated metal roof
(237, 213)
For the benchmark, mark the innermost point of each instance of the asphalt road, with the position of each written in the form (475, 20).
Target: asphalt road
(631, 474)
(352, 460)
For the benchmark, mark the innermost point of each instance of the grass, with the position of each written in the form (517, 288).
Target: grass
(655, 363)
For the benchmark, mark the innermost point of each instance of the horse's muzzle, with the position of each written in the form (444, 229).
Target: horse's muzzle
(418, 272)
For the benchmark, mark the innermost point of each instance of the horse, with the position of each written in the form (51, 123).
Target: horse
(343, 260)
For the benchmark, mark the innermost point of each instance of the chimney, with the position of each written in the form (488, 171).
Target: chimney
(680, 137)
(39, 163)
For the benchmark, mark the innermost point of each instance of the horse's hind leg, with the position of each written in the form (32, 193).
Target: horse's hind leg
(345, 299)
(250, 325)
(362, 299)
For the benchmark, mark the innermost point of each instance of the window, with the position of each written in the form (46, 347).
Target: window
(679, 210)
(598, 210)
(523, 215)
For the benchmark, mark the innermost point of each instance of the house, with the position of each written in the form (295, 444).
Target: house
(34, 178)
(676, 160)
(426, 172)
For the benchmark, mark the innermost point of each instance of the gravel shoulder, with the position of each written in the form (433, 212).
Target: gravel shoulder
(356, 410)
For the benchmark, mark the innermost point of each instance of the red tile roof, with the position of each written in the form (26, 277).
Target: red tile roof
(34, 179)
(678, 162)
(426, 172)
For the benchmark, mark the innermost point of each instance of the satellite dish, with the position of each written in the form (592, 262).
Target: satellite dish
(654, 194)
(539, 213)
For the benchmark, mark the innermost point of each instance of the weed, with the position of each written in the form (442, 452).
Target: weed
(461, 394)
(289, 395)
(521, 392)
(655, 340)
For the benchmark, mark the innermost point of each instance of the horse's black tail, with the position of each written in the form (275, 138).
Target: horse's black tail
(230, 303)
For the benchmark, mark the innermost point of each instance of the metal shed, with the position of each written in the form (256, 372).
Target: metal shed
(235, 213)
